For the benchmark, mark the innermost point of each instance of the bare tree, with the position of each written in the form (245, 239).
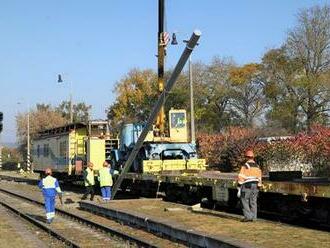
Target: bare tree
(43, 117)
(247, 97)
(80, 111)
(309, 43)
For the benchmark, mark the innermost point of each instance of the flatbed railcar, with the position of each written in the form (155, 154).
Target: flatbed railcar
(300, 199)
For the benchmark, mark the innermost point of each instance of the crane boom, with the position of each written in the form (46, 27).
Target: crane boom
(162, 98)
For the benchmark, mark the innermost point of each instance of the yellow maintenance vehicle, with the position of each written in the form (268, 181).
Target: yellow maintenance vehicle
(68, 148)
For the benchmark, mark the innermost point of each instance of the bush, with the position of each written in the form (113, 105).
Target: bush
(309, 153)
(225, 151)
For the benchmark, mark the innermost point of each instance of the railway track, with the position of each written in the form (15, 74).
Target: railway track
(77, 228)
(222, 227)
(16, 231)
(73, 233)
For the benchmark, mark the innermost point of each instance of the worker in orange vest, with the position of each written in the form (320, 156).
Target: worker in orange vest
(249, 180)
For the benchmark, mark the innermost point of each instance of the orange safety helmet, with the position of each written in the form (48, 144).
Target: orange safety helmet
(48, 171)
(249, 154)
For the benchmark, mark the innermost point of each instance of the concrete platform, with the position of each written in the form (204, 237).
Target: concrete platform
(206, 230)
(168, 228)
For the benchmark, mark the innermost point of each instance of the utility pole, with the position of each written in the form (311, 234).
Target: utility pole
(28, 162)
(28, 153)
(161, 63)
(71, 107)
(60, 80)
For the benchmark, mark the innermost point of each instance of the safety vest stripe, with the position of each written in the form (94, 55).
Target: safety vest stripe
(251, 177)
(251, 180)
(49, 182)
(50, 215)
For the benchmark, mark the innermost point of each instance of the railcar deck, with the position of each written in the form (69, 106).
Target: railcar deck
(306, 187)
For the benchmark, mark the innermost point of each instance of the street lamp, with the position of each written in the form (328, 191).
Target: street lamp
(59, 80)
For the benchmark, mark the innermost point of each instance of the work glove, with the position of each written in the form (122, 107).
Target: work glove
(60, 196)
(238, 192)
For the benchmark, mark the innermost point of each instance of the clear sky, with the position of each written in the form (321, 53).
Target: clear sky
(94, 43)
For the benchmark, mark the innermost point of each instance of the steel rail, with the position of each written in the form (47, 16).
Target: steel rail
(46, 228)
(264, 214)
(77, 218)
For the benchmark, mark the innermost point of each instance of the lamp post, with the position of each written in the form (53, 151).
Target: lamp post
(59, 80)
(192, 111)
(28, 161)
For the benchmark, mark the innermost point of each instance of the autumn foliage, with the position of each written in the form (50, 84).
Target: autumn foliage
(225, 150)
(307, 152)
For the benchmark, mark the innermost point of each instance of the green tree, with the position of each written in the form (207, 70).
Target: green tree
(212, 85)
(10, 155)
(281, 91)
(136, 93)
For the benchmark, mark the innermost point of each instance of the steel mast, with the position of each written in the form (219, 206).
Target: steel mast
(161, 64)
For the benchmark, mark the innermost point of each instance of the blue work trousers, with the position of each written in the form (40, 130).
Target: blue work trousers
(50, 207)
(106, 193)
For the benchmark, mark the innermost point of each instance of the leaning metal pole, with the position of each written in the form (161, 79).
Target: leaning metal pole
(177, 70)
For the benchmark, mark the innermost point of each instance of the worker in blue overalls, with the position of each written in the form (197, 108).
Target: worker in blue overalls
(50, 188)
